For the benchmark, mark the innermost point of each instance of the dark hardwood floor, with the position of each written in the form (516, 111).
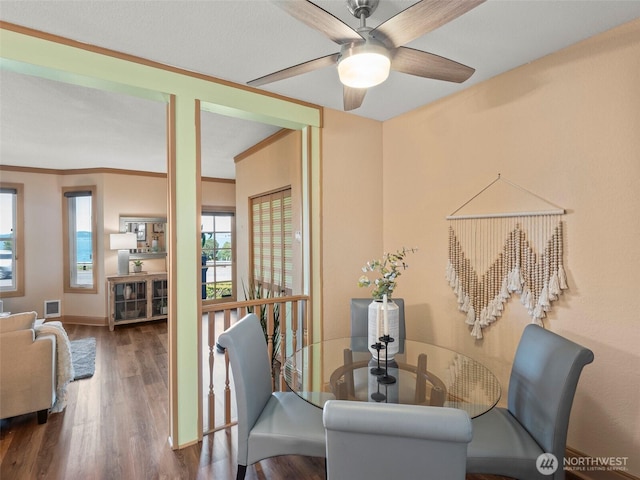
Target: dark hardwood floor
(115, 425)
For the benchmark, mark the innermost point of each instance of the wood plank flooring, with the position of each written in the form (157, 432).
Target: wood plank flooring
(115, 425)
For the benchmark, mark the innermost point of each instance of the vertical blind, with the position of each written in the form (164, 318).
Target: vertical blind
(272, 241)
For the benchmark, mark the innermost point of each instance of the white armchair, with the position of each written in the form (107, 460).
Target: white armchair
(27, 368)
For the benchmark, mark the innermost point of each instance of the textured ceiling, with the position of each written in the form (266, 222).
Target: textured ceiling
(238, 41)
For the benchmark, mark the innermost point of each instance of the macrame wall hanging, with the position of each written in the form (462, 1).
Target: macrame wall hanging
(493, 256)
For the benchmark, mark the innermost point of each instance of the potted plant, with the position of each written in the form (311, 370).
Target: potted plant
(137, 266)
(164, 309)
(256, 293)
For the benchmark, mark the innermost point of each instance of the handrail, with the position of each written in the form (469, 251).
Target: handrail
(216, 307)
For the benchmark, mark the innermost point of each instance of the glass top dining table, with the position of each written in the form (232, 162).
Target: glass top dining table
(424, 374)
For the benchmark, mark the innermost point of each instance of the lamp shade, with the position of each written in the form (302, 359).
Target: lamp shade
(364, 66)
(123, 241)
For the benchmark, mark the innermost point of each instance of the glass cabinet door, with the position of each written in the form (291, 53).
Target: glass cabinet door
(130, 300)
(159, 299)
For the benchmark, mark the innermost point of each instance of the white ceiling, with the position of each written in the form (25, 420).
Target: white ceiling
(240, 40)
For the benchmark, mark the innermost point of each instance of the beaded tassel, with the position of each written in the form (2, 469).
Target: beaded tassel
(532, 269)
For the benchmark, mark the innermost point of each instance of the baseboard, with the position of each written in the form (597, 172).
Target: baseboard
(588, 469)
(185, 445)
(82, 320)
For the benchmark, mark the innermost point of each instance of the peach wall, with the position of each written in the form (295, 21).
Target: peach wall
(43, 245)
(91, 305)
(117, 195)
(566, 127)
(43, 241)
(351, 211)
(132, 196)
(218, 194)
(275, 166)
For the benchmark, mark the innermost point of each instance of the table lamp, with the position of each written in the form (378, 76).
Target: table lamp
(123, 242)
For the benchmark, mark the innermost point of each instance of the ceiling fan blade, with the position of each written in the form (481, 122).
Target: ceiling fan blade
(299, 69)
(421, 18)
(319, 19)
(353, 97)
(423, 64)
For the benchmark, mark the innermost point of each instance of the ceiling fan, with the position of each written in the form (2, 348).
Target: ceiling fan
(367, 54)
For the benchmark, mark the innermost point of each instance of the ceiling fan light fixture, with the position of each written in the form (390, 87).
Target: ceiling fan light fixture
(364, 66)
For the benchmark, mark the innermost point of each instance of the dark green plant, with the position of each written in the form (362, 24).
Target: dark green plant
(219, 290)
(258, 292)
(209, 245)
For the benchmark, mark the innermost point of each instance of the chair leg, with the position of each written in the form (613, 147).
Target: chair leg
(42, 416)
(242, 471)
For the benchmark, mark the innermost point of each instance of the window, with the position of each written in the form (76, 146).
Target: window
(11, 240)
(218, 254)
(79, 239)
(272, 242)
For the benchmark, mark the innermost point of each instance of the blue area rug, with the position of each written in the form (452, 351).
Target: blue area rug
(83, 357)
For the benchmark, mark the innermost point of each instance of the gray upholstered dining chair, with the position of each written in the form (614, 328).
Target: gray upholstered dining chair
(544, 377)
(368, 440)
(269, 423)
(360, 321)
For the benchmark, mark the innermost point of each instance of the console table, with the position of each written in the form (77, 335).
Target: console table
(137, 297)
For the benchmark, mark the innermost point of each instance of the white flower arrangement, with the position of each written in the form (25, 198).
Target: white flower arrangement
(389, 269)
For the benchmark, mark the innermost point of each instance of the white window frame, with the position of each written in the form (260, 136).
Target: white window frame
(223, 212)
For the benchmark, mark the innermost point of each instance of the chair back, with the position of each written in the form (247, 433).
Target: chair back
(360, 316)
(360, 323)
(247, 349)
(543, 381)
(386, 440)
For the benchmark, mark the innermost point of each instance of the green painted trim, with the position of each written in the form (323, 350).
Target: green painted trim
(36, 56)
(187, 225)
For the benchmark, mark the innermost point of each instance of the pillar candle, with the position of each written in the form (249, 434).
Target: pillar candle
(386, 319)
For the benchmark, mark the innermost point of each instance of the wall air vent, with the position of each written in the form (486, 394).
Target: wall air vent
(51, 308)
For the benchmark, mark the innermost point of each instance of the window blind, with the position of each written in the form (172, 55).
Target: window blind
(78, 193)
(272, 242)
